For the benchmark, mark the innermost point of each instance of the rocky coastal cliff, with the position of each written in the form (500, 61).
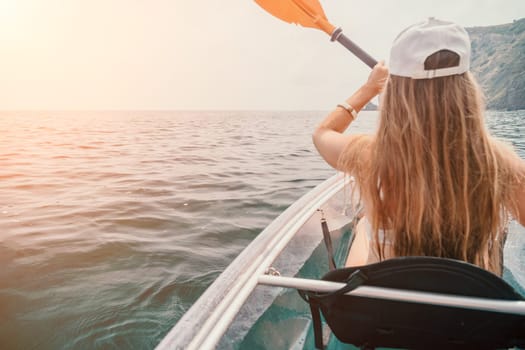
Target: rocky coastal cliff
(498, 62)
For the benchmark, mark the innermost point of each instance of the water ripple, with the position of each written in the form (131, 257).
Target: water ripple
(114, 223)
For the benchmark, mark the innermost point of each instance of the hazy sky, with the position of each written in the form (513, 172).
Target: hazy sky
(196, 54)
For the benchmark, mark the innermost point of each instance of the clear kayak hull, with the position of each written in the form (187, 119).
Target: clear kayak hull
(239, 312)
(292, 244)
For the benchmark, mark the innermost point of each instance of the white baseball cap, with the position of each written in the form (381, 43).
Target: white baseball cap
(416, 43)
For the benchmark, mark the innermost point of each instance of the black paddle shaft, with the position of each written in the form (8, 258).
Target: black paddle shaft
(350, 45)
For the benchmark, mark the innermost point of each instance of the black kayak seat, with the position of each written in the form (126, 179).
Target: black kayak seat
(371, 322)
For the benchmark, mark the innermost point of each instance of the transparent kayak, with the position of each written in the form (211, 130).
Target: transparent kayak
(240, 311)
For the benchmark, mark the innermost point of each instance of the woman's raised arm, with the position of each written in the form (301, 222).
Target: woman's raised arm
(328, 137)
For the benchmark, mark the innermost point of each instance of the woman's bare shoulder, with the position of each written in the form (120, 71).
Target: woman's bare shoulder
(356, 154)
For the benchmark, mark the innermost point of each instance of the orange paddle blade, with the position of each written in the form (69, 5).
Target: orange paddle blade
(307, 13)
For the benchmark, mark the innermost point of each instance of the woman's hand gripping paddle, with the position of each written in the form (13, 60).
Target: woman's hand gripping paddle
(309, 13)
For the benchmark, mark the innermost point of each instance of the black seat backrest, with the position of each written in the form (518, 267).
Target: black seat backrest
(373, 323)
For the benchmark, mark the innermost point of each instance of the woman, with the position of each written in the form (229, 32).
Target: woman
(432, 180)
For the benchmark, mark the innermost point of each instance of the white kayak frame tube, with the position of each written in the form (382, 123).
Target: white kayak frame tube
(205, 323)
(515, 307)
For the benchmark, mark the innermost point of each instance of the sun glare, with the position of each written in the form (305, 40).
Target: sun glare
(8, 9)
(11, 19)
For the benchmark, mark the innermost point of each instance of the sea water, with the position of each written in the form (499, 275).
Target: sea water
(113, 223)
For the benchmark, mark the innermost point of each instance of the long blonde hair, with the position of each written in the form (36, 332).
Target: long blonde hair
(432, 176)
